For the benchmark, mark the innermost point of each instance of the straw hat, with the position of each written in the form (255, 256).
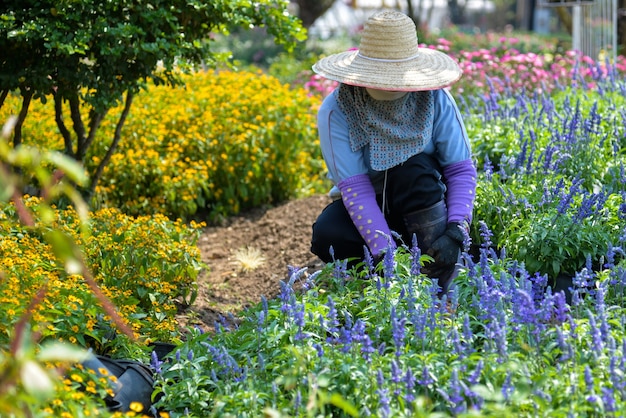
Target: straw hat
(389, 58)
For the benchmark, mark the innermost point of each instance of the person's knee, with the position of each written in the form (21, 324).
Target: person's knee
(321, 242)
(334, 228)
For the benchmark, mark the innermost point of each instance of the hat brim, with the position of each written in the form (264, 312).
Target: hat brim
(429, 70)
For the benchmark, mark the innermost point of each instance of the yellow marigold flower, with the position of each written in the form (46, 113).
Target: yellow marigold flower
(77, 395)
(136, 406)
(77, 378)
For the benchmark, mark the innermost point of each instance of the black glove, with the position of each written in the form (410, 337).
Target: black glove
(445, 249)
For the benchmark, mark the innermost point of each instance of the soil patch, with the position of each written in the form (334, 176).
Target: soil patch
(280, 235)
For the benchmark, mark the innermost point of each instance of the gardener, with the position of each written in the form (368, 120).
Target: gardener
(396, 150)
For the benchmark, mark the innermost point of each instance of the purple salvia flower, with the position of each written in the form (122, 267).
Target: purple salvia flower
(566, 349)
(398, 330)
(190, 355)
(358, 330)
(507, 387)
(369, 263)
(345, 338)
(588, 378)
(426, 378)
(298, 317)
(608, 399)
(383, 394)
(367, 347)
(488, 168)
(539, 284)
(294, 273)
(474, 378)
(485, 268)
(261, 321)
(178, 356)
(468, 335)
(297, 403)
(587, 206)
(616, 374)
(496, 336)
(418, 318)
(396, 376)
(523, 310)
(389, 267)
(381, 348)
(331, 317)
(543, 395)
(409, 381)
(455, 340)
(561, 309)
(521, 156)
(285, 296)
(319, 349)
(566, 199)
(455, 394)
(416, 254)
(605, 330)
(156, 363)
(596, 334)
(340, 270)
(573, 327)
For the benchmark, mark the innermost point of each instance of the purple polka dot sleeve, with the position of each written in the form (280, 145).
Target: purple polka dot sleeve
(359, 198)
(461, 185)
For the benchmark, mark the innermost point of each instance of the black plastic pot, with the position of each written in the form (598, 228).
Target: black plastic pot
(162, 349)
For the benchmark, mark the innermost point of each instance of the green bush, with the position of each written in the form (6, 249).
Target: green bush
(552, 185)
(143, 265)
(227, 142)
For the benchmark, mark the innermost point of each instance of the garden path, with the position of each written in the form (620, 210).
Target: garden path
(282, 234)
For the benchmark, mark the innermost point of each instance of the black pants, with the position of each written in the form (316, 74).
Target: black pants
(409, 187)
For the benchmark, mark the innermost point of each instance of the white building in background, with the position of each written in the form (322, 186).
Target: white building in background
(341, 17)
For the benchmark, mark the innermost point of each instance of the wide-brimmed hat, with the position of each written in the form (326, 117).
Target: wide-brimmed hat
(388, 58)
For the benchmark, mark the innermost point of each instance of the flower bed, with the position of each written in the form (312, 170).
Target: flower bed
(375, 341)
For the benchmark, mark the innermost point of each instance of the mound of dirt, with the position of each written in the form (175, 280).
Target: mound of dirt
(278, 237)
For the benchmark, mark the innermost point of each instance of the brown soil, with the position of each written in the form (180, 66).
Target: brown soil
(281, 234)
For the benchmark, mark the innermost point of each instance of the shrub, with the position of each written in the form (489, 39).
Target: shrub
(226, 142)
(144, 265)
(552, 187)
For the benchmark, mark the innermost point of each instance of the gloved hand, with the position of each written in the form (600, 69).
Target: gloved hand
(445, 249)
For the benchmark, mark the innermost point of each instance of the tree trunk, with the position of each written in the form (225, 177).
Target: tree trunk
(3, 97)
(27, 96)
(116, 139)
(310, 10)
(65, 133)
